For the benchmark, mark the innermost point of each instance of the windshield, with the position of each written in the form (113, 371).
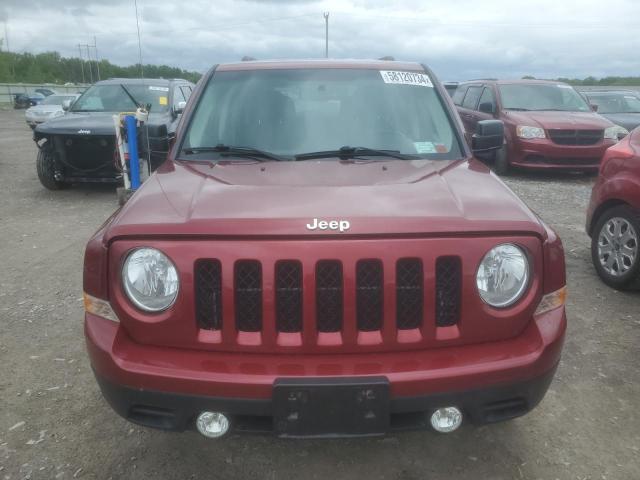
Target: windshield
(293, 112)
(615, 102)
(56, 99)
(541, 97)
(113, 98)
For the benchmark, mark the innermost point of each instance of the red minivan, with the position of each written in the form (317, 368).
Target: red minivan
(613, 218)
(547, 125)
(321, 255)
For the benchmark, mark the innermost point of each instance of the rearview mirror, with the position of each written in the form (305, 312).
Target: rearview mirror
(487, 107)
(66, 104)
(594, 107)
(489, 136)
(178, 109)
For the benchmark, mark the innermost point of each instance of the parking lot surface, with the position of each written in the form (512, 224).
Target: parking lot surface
(54, 423)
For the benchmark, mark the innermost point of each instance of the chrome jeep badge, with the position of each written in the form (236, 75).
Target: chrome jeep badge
(84, 132)
(341, 225)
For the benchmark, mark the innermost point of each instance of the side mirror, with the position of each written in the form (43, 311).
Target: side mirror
(178, 109)
(487, 107)
(66, 104)
(489, 136)
(594, 107)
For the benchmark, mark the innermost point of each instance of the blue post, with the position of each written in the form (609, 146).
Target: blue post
(134, 161)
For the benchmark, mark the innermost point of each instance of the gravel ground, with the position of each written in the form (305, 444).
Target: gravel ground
(54, 423)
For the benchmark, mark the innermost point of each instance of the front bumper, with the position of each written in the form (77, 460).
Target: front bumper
(543, 154)
(167, 387)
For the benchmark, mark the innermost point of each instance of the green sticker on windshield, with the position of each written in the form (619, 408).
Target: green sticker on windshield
(424, 147)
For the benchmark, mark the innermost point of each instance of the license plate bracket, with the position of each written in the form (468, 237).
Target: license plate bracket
(331, 407)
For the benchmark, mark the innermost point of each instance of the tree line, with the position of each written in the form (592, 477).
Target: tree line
(51, 67)
(594, 82)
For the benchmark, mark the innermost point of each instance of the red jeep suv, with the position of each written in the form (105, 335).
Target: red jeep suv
(320, 255)
(548, 125)
(613, 218)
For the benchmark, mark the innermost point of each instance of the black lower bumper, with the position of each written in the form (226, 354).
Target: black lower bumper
(170, 411)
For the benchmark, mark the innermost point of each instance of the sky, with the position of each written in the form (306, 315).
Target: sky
(458, 39)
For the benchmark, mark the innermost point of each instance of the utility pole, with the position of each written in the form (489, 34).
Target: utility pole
(95, 50)
(86, 45)
(326, 34)
(81, 62)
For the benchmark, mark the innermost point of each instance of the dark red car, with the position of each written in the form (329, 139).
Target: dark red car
(613, 218)
(320, 255)
(547, 125)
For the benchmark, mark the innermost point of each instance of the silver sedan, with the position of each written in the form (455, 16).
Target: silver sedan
(50, 107)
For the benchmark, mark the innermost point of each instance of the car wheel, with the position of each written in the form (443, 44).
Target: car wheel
(45, 165)
(615, 247)
(501, 161)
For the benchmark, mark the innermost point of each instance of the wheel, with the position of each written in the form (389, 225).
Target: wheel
(501, 161)
(615, 250)
(45, 165)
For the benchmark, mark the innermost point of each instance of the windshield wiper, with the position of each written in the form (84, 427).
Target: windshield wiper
(517, 109)
(230, 150)
(350, 152)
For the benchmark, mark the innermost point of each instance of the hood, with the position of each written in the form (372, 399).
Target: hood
(91, 123)
(44, 109)
(626, 120)
(559, 120)
(280, 199)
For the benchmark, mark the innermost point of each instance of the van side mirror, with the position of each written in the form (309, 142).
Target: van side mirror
(489, 136)
(178, 109)
(66, 104)
(487, 107)
(594, 107)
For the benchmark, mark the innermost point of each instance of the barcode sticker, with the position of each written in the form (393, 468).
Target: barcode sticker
(406, 78)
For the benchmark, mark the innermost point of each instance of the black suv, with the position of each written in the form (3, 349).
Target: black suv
(80, 145)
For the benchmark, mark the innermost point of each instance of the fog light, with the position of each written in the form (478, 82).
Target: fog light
(446, 420)
(212, 424)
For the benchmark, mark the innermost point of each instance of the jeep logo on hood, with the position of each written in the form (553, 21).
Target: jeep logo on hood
(84, 132)
(341, 225)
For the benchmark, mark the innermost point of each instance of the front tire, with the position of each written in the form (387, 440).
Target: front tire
(46, 167)
(615, 247)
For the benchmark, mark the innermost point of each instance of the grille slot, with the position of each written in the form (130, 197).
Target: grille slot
(369, 295)
(448, 290)
(248, 295)
(409, 293)
(576, 137)
(288, 296)
(208, 294)
(329, 296)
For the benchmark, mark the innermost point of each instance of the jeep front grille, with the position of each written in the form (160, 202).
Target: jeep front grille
(406, 279)
(289, 296)
(248, 295)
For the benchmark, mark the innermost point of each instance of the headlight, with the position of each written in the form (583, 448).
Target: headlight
(616, 132)
(524, 131)
(150, 279)
(503, 275)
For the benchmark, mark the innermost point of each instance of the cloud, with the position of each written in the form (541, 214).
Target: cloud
(459, 40)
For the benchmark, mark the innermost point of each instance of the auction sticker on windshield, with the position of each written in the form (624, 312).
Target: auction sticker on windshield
(406, 78)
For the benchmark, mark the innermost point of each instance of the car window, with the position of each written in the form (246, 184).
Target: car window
(291, 112)
(542, 96)
(178, 96)
(186, 91)
(471, 98)
(458, 96)
(114, 98)
(487, 96)
(615, 102)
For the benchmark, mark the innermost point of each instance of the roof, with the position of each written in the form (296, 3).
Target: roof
(320, 63)
(522, 81)
(609, 91)
(141, 81)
